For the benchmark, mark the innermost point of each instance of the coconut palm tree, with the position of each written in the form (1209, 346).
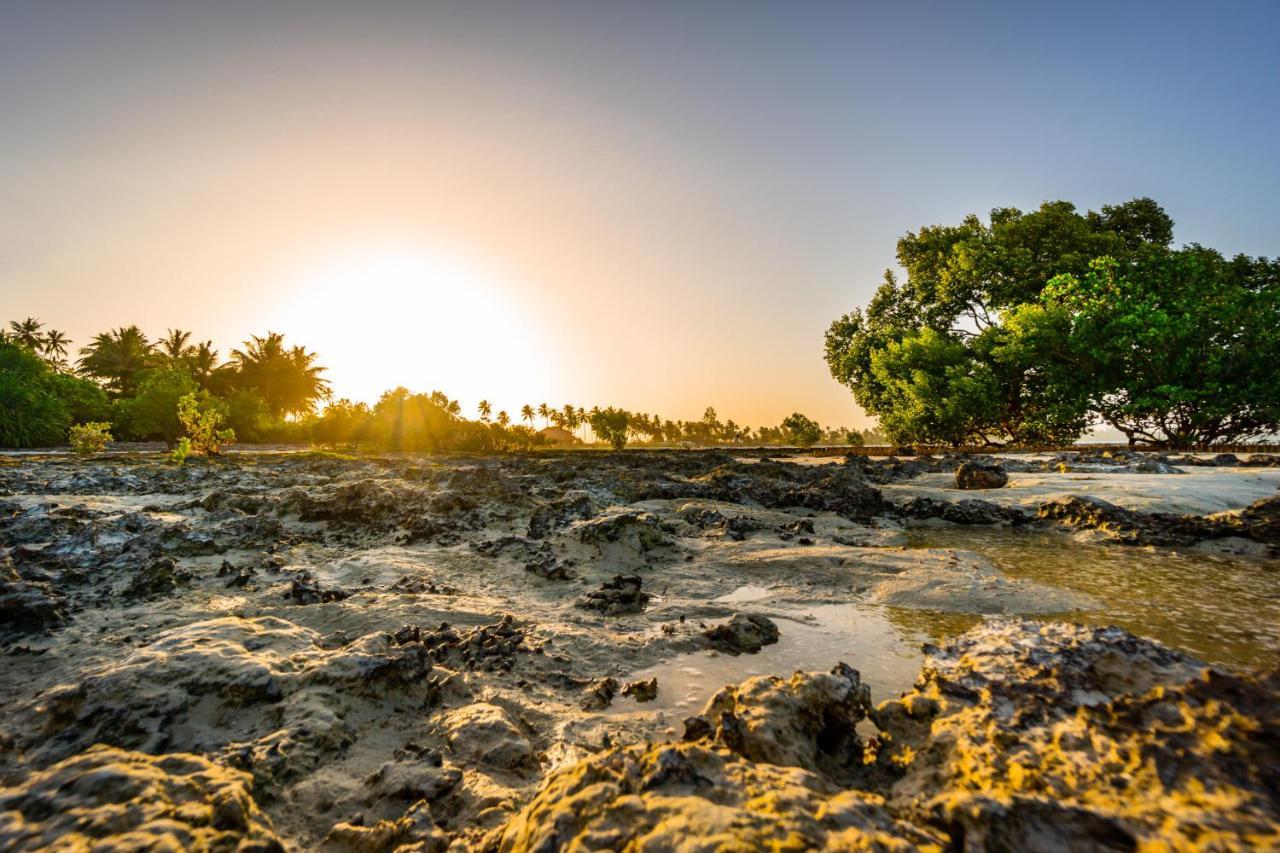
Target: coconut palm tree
(287, 378)
(117, 358)
(526, 413)
(174, 345)
(544, 412)
(27, 333)
(54, 349)
(485, 410)
(504, 420)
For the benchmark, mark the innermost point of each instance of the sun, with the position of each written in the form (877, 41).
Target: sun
(417, 318)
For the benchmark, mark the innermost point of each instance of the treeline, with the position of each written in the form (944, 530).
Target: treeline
(136, 389)
(1032, 328)
(402, 420)
(262, 392)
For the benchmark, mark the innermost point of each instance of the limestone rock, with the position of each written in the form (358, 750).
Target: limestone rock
(978, 475)
(743, 634)
(110, 799)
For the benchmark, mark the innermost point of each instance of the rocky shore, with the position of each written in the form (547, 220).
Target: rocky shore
(311, 650)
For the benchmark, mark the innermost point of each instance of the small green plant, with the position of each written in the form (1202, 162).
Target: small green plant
(89, 438)
(203, 436)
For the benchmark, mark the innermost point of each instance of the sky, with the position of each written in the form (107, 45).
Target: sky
(654, 205)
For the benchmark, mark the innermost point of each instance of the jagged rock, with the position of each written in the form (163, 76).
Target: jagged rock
(305, 589)
(599, 694)
(156, 577)
(27, 606)
(977, 475)
(1041, 735)
(550, 517)
(689, 796)
(743, 634)
(485, 734)
(617, 597)
(109, 799)
(806, 721)
(641, 691)
(415, 831)
(488, 648)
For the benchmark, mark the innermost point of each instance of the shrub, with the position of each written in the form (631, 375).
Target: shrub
(90, 438)
(201, 423)
(154, 412)
(31, 413)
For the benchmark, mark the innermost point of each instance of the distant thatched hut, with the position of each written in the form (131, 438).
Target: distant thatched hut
(558, 436)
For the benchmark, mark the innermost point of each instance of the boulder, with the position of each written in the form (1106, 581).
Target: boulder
(742, 634)
(977, 475)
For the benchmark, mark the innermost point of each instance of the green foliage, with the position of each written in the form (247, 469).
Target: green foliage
(963, 349)
(31, 412)
(405, 421)
(85, 400)
(342, 422)
(89, 438)
(201, 422)
(611, 425)
(935, 390)
(800, 430)
(287, 378)
(153, 413)
(854, 438)
(118, 358)
(247, 415)
(1178, 349)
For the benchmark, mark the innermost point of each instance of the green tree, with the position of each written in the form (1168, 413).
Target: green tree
(800, 430)
(288, 378)
(118, 358)
(153, 412)
(961, 281)
(31, 414)
(1176, 350)
(486, 410)
(935, 390)
(611, 425)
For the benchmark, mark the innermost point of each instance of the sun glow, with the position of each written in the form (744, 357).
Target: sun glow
(415, 318)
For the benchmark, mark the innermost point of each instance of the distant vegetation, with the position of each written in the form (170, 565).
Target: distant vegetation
(1033, 327)
(126, 387)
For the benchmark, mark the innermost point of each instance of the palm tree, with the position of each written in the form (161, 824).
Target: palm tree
(27, 333)
(117, 357)
(174, 345)
(485, 410)
(54, 348)
(504, 420)
(544, 412)
(526, 413)
(569, 417)
(201, 362)
(287, 378)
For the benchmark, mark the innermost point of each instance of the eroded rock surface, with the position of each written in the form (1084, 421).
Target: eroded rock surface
(110, 799)
(429, 652)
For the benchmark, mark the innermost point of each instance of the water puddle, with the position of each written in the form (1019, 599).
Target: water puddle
(1224, 610)
(883, 643)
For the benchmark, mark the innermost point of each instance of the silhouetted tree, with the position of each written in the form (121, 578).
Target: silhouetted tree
(117, 358)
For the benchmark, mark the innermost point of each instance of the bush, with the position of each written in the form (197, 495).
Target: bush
(154, 412)
(90, 438)
(201, 423)
(31, 413)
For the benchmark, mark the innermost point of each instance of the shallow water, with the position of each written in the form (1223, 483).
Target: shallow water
(1224, 610)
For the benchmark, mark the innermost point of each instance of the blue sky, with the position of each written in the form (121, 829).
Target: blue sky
(674, 199)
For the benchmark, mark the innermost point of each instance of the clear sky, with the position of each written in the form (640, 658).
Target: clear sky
(654, 205)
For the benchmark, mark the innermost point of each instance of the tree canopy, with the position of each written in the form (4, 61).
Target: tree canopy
(976, 344)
